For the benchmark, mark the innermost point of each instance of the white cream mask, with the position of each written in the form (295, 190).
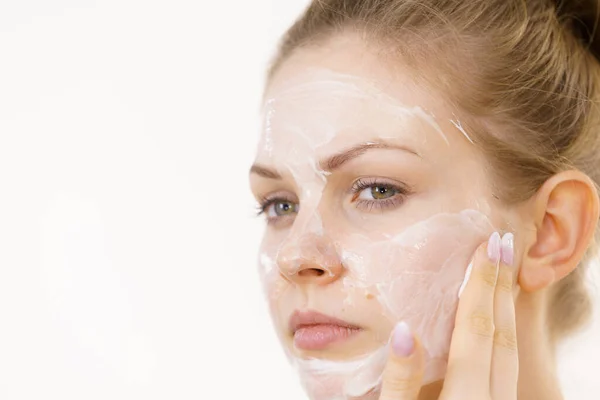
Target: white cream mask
(342, 379)
(404, 264)
(424, 293)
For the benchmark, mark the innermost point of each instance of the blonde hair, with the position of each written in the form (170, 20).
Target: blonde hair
(524, 72)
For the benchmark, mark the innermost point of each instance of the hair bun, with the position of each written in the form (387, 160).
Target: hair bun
(582, 17)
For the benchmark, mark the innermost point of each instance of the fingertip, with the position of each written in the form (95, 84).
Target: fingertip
(494, 247)
(403, 373)
(508, 249)
(482, 252)
(479, 256)
(403, 341)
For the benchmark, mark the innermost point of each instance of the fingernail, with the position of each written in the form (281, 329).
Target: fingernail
(494, 247)
(403, 342)
(467, 276)
(508, 249)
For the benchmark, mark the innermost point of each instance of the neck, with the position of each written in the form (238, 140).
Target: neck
(537, 364)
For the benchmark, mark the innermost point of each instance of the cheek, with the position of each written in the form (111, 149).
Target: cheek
(276, 288)
(273, 284)
(427, 263)
(416, 276)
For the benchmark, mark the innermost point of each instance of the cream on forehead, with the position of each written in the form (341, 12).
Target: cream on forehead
(319, 104)
(458, 125)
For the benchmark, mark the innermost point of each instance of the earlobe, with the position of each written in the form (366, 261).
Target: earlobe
(535, 277)
(565, 215)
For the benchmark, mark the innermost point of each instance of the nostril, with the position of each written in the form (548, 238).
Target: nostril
(315, 272)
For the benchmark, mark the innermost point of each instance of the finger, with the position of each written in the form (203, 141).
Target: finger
(473, 336)
(505, 360)
(403, 373)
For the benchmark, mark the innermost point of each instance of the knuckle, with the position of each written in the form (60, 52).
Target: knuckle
(401, 385)
(457, 389)
(481, 324)
(401, 377)
(505, 338)
(505, 280)
(487, 275)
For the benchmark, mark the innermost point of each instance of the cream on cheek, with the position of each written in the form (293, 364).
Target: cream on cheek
(417, 273)
(415, 276)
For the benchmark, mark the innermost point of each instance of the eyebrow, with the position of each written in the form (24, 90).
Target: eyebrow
(264, 172)
(337, 160)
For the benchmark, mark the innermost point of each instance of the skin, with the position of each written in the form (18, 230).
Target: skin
(303, 249)
(484, 349)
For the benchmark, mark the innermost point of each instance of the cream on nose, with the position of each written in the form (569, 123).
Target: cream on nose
(310, 259)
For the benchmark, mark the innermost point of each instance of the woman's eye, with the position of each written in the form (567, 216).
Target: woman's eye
(280, 208)
(370, 194)
(378, 192)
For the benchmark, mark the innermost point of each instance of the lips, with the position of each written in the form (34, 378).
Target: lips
(316, 331)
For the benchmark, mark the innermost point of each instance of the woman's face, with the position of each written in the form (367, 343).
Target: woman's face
(375, 201)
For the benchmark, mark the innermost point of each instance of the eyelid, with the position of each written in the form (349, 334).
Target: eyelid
(366, 182)
(382, 205)
(280, 195)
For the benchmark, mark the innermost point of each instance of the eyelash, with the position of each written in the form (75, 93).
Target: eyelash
(359, 185)
(368, 205)
(266, 202)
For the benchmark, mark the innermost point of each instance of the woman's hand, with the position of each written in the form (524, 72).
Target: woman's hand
(483, 361)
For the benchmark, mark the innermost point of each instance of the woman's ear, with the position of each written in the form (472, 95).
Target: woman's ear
(565, 215)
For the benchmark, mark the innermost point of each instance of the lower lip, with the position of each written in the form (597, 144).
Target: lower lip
(318, 337)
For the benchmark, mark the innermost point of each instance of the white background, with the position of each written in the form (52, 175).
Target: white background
(127, 236)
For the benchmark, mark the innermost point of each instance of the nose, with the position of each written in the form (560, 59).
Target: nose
(310, 259)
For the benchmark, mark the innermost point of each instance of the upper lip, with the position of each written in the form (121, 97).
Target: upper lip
(300, 319)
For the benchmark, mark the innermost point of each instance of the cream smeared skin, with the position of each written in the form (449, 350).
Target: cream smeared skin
(379, 265)
(423, 293)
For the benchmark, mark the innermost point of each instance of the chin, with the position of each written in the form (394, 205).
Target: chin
(350, 377)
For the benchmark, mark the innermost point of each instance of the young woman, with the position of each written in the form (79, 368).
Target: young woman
(429, 174)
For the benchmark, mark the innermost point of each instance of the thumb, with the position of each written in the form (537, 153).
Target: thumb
(403, 373)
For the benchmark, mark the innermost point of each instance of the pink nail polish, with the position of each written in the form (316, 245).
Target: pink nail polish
(403, 342)
(508, 249)
(494, 247)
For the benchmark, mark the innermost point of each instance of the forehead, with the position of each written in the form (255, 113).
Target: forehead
(345, 64)
(324, 98)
